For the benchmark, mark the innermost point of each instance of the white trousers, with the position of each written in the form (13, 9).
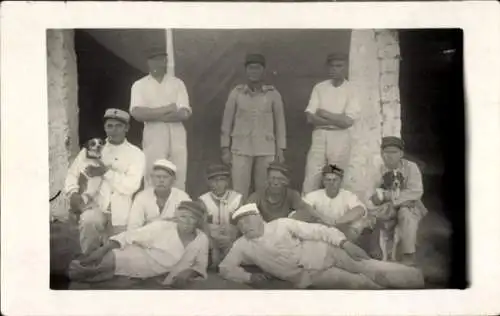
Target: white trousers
(327, 147)
(166, 141)
(95, 228)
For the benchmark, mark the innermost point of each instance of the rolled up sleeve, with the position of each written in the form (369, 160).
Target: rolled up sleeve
(353, 109)
(313, 101)
(136, 97)
(182, 97)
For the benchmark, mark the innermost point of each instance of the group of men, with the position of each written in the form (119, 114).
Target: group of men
(308, 239)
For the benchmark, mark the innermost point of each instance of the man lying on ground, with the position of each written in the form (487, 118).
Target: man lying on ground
(175, 247)
(334, 206)
(307, 255)
(220, 203)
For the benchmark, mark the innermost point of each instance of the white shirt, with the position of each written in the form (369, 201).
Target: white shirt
(126, 164)
(285, 250)
(334, 208)
(337, 100)
(221, 212)
(157, 249)
(145, 209)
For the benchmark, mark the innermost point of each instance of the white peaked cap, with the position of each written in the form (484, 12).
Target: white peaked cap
(165, 164)
(246, 209)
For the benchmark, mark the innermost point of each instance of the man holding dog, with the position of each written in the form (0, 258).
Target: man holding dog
(408, 207)
(122, 168)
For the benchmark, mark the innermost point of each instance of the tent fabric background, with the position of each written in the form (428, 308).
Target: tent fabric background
(210, 62)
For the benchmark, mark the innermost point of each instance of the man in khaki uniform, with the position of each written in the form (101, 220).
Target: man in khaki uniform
(253, 131)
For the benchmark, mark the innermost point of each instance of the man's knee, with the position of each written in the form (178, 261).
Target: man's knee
(93, 218)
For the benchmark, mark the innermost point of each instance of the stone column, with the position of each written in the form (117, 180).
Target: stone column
(373, 70)
(62, 113)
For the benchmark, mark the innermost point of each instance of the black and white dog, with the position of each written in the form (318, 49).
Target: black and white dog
(90, 186)
(387, 214)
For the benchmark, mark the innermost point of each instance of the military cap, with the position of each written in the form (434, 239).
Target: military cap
(245, 210)
(394, 141)
(214, 170)
(156, 52)
(197, 208)
(333, 169)
(280, 167)
(336, 56)
(255, 59)
(117, 114)
(165, 165)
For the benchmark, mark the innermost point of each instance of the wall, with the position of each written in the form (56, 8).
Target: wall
(62, 112)
(374, 69)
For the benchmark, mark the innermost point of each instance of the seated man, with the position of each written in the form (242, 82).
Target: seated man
(175, 247)
(335, 206)
(277, 200)
(157, 201)
(220, 203)
(401, 196)
(306, 255)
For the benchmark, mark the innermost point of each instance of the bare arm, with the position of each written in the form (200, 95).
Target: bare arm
(176, 116)
(351, 215)
(279, 121)
(144, 114)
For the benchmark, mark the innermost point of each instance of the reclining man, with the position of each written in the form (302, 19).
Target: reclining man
(175, 247)
(334, 206)
(307, 254)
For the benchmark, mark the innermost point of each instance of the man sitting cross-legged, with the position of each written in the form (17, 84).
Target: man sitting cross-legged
(334, 206)
(175, 247)
(305, 255)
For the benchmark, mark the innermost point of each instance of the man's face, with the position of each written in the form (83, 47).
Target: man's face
(276, 180)
(332, 183)
(186, 220)
(251, 226)
(116, 130)
(157, 66)
(218, 184)
(254, 72)
(162, 179)
(392, 156)
(337, 69)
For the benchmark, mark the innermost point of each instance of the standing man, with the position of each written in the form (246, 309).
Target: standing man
(253, 131)
(122, 168)
(332, 110)
(408, 205)
(160, 100)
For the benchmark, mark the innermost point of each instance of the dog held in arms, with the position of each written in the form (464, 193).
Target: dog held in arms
(386, 214)
(90, 188)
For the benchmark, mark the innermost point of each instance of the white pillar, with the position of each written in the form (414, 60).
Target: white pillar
(170, 51)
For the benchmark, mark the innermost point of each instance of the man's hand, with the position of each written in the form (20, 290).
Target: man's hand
(76, 202)
(354, 251)
(183, 278)
(96, 171)
(322, 113)
(226, 155)
(258, 278)
(172, 107)
(280, 155)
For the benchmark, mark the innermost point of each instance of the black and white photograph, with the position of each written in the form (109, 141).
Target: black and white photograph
(250, 159)
(256, 159)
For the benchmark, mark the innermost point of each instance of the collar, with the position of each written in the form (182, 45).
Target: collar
(125, 143)
(223, 198)
(342, 84)
(263, 89)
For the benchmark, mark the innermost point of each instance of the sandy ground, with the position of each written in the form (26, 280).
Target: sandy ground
(432, 257)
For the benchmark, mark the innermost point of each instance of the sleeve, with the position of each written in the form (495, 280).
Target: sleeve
(414, 186)
(230, 268)
(313, 101)
(279, 120)
(201, 261)
(182, 97)
(137, 216)
(316, 232)
(136, 97)
(71, 183)
(227, 119)
(142, 236)
(353, 201)
(128, 182)
(353, 109)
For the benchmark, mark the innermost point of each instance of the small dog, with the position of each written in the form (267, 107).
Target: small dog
(387, 214)
(90, 186)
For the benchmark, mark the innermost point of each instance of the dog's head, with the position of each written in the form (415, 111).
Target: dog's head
(392, 180)
(94, 147)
